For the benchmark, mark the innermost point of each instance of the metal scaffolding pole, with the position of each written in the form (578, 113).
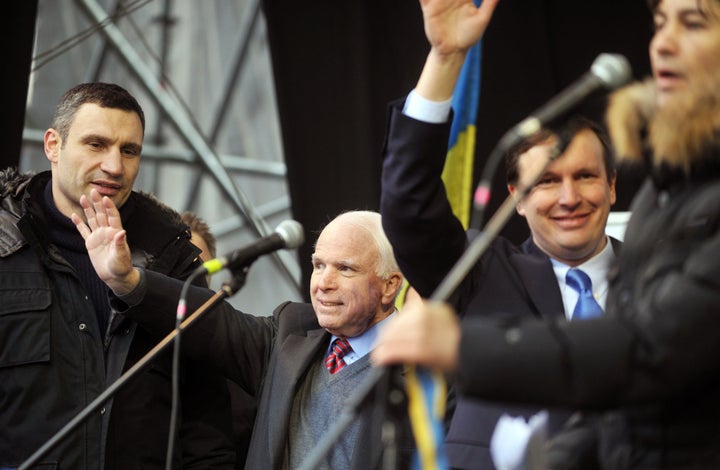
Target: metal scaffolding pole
(182, 122)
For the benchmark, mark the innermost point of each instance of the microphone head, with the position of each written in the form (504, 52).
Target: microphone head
(613, 70)
(292, 233)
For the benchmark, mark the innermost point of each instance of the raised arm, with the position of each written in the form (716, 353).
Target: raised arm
(452, 27)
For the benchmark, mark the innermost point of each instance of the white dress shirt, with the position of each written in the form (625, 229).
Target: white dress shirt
(596, 268)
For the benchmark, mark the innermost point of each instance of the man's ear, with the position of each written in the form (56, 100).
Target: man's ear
(512, 189)
(392, 287)
(52, 144)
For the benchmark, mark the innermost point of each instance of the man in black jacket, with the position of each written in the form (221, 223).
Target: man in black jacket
(61, 343)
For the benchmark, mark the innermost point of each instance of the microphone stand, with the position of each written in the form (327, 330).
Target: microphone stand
(227, 290)
(388, 388)
(379, 376)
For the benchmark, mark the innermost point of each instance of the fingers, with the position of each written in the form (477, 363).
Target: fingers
(397, 342)
(88, 212)
(485, 12)
(424, 333)
(99, 211)
(101, 218)
(113, 214)
(80, 225)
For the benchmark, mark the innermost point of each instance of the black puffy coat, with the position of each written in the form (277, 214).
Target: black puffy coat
(54, 360)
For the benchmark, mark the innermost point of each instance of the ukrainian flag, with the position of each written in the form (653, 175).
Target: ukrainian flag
(459, 165)
(426, 389)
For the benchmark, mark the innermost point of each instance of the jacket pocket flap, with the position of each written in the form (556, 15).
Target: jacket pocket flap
(24, 326)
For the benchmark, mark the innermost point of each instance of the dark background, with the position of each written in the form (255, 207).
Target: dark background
(337, 64)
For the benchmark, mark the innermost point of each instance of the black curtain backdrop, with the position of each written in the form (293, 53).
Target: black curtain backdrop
(338, 64)
(17, 40)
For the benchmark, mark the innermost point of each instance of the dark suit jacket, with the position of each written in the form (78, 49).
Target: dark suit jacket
(508, 282)
(269, 356)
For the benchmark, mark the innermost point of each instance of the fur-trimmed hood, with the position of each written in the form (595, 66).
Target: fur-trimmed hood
(684, 135)
(12, 181)
(161, 224)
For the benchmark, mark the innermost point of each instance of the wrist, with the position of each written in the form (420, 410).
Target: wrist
(123, 285)
(440, 74)
(137, 294)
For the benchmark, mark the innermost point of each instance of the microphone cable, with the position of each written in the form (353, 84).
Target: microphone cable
(180, 315)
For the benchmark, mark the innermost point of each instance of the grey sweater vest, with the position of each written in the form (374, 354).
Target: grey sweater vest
(319, 402)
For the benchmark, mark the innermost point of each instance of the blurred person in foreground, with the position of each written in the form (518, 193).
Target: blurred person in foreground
(650, 364)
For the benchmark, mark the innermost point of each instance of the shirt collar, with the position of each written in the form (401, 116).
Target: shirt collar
(363, 343)
(596, 267)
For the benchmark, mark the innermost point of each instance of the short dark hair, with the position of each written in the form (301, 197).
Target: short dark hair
(574, 126)
(105, 95)
(202, 229)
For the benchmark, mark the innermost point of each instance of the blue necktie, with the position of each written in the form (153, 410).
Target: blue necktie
(586, 306)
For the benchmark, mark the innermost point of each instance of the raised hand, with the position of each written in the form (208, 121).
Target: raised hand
(452, 27)
(422, 333)
(106, 242)
(455, 25)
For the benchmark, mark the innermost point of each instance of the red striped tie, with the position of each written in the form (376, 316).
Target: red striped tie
(334, 361)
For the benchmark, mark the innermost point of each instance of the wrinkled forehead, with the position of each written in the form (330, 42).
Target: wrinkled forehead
(93, 119)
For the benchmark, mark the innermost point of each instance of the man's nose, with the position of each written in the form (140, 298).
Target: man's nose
(327, 278)
(113, 162)
(569, 194)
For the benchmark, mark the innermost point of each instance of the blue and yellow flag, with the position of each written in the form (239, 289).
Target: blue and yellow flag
(459, 165)
(426, 388)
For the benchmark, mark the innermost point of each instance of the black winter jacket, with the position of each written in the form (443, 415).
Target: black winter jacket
(54, 360)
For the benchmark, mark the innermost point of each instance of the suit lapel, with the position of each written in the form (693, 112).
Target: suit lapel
(537, 274)
(293, 360)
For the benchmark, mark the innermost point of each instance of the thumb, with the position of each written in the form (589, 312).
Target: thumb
(120, 239)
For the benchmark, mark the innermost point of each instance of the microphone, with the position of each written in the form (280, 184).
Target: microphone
(289, 234)
(607, 72)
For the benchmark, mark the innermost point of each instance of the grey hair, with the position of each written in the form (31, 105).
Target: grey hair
(370, 221)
